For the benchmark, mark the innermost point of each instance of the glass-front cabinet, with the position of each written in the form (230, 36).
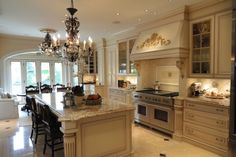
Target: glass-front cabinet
(124, 50)
(201, 47)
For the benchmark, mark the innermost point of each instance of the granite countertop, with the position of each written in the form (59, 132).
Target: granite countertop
(123, 89)
(225, 102)
(54, 101)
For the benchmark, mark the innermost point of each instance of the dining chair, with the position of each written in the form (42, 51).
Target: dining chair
(45, 88)
(60, 87)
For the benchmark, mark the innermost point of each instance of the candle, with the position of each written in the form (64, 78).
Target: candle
(90, 41)
(84, 45)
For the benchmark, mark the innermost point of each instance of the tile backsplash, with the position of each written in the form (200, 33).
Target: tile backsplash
(221, 85)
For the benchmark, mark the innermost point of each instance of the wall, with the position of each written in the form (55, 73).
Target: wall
(10, 45)
(16, 44)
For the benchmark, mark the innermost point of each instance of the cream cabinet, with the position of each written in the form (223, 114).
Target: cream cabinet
(120, 95)
(207, 125)
(210, 46)
(223, 44)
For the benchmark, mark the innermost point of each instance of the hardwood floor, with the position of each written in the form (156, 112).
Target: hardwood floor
(15, 142)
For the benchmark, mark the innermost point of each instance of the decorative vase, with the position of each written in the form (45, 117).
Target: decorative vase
(78, 100)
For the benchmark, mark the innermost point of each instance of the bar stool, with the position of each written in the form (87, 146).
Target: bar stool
(53, 135)
(37, 123)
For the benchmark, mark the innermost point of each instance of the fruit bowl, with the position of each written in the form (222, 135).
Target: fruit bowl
(93, 102)
(93, 99)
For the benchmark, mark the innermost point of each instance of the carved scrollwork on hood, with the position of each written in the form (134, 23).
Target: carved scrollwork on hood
(155, 40)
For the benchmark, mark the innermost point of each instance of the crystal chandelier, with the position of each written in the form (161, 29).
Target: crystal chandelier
(72, 49)
(50, 46)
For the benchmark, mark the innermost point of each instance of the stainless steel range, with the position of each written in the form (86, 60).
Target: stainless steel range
(155, 108)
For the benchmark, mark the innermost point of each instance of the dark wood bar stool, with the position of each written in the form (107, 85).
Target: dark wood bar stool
(37, 123)
(53, 135)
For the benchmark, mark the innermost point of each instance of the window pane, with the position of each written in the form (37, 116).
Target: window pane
(58, 73)
(30, 74)
(45, 73)
(16, 78)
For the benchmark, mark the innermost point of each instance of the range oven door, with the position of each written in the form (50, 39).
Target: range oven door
(141, 111)
(161, 116)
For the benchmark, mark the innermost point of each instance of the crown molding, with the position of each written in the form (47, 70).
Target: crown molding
(205, 4)
(19, 37)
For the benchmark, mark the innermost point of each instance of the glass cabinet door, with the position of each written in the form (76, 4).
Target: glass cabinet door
(201, 39)
(123, 57)
(124, 49)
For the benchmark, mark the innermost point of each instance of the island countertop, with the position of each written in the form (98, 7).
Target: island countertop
(55, 102)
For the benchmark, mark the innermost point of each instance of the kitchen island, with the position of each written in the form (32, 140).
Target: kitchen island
(89, 131)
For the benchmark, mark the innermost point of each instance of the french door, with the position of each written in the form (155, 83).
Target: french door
(25, 73)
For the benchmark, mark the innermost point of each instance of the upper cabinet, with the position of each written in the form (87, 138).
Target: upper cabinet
(201, 35)
(210, 47)
(223, 44)
(91, 63)
(124, 64)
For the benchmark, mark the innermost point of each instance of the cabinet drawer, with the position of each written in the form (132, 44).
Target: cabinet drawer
(209, 120)
(207, 108)
(206, 135)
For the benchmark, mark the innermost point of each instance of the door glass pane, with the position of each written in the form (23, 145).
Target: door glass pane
(122, 57)
(142, 110)
(58, 73)
(161, 115)
(132, 67)
(16, 78)
(30, 74)
(45, 73)
(75, 75)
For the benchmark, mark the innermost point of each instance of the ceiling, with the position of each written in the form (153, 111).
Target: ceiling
(98, 18)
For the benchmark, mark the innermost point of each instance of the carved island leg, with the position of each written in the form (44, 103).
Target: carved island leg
(69, 130)
(69, 145)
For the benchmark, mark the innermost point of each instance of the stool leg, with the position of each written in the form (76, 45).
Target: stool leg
(45, 143)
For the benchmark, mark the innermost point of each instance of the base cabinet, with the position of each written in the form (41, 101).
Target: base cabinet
(207, 125)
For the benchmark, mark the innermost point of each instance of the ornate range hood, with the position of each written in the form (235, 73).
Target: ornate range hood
(166, 41)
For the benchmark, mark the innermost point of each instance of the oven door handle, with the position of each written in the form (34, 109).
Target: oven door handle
(161, 107)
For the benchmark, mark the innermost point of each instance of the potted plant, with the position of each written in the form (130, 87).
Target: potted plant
(78, 92)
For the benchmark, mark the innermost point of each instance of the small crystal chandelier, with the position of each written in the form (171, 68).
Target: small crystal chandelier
(72, 49)
(50, 46)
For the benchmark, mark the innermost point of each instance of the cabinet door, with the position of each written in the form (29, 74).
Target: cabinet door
(122, 46)
(201, 39)
(223, 44)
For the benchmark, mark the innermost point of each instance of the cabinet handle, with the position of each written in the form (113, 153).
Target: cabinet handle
(219, 110)
(191, 105)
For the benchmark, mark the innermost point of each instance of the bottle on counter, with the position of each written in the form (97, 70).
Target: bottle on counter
(156, 85)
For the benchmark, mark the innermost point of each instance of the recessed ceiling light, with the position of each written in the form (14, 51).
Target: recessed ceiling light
(146, 10)
(117, 14)
(115, 22)
(154, 13)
